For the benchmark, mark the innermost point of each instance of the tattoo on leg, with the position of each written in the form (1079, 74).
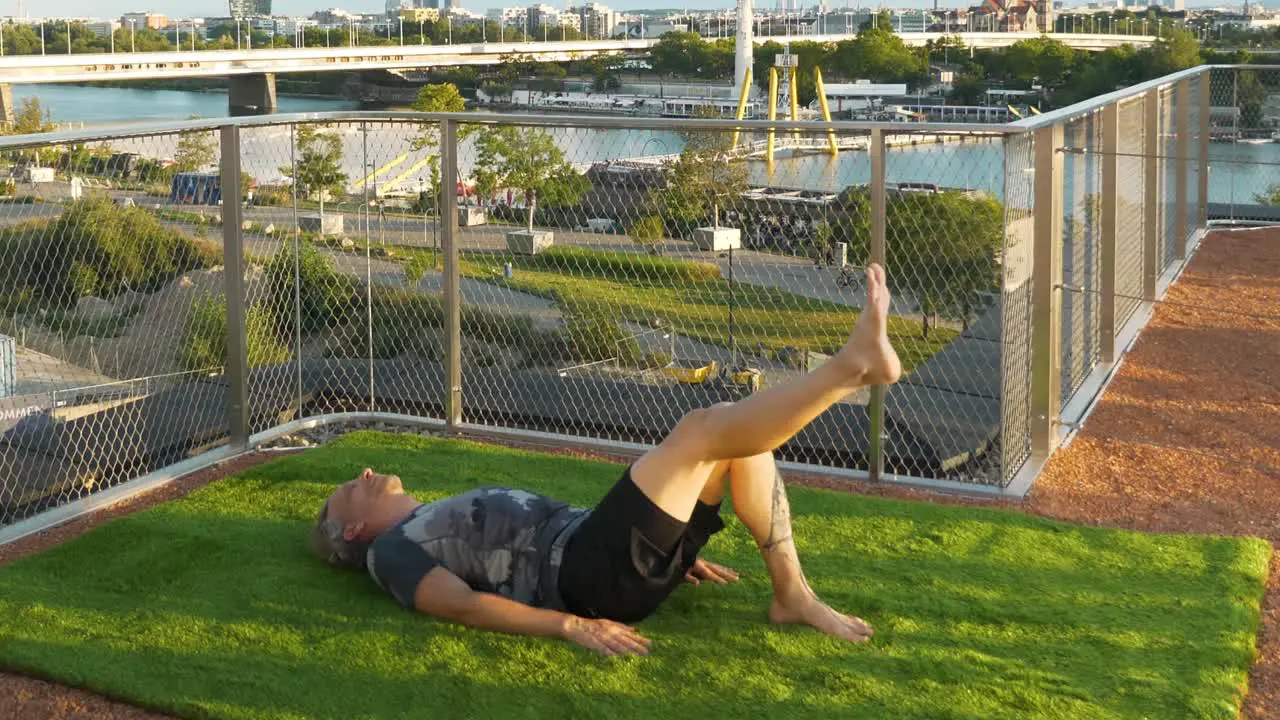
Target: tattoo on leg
(779, 516)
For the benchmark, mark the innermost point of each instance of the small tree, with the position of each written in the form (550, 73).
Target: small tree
(528, 160)
(196, 150)
(32, 118)
(703, 178)
(822, 236)
(942, 248)
(443, 97)
(319, 165)
(1270, 197)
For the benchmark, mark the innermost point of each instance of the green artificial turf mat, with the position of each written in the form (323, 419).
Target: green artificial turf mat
(212, 607)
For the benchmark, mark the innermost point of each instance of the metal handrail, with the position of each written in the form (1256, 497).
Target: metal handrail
(614, 122)
(591, 122)
(1097, 103)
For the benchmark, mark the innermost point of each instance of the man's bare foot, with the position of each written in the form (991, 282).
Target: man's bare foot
(816, 614)
(869, 353)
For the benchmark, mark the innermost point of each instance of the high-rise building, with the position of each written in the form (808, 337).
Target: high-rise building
(241, 9)
(596, 20)
(542, 15)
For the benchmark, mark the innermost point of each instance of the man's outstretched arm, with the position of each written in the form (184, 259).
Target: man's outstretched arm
(445, 595)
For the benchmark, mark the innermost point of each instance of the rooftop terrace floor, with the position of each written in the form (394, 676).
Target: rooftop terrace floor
(1186, 439)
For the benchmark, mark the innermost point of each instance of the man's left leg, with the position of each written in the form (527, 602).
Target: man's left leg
(760, 502)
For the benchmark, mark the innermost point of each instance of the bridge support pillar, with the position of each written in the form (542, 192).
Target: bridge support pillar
(6, 104)
(252, 95)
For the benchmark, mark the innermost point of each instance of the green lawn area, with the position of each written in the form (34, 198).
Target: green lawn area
(638, 289)
(211, 607)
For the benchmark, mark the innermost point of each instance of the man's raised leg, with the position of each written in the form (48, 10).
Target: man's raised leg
(675, 473)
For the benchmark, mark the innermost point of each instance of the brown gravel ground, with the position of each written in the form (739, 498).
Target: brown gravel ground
(1175, 445)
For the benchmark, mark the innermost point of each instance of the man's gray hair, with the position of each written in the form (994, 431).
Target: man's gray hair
(328, 543)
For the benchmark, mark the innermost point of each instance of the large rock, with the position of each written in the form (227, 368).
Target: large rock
(94, 308)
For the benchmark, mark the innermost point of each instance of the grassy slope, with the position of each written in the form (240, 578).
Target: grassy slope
(211, 607)
(699, 309)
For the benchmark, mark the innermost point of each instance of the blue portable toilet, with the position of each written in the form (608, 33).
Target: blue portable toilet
(196, 189)
(8, 367)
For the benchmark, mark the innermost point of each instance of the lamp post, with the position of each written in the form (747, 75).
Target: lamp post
(68, 37)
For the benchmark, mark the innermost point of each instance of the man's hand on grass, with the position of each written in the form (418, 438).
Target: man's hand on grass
(710, 572)
(605, 636)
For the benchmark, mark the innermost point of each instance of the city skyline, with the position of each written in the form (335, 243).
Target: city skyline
(219, 8)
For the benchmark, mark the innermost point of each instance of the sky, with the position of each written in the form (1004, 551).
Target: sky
(209, 8)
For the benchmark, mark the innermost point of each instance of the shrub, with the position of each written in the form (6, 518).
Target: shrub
(273, 196)
(325, 295)
(204, 338)
(621, 265)
(410, 323)
(648, 231)
(417, 265)
(595, 336)
(98, 247)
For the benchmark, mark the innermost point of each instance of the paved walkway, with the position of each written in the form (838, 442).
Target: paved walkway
(1187, 437)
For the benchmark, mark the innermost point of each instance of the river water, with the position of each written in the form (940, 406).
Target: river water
(1241, 170)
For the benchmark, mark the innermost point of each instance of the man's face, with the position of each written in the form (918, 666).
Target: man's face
(356, 502)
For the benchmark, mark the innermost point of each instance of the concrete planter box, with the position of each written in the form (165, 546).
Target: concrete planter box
(331, 224)
(471, 216)
(529, 242)
(717, 239)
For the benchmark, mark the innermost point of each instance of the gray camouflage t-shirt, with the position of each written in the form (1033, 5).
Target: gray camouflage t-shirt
(497, 540)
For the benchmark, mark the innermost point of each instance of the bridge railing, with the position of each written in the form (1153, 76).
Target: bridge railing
(316, 269)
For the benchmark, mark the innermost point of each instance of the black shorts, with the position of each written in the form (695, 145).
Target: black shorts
(629, 555)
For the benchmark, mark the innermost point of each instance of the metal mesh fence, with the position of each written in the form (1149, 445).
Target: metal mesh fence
(1015, 311)
(1130, 201)
(944, 235)
(611, 280)
(1081, 237)
(112, 321)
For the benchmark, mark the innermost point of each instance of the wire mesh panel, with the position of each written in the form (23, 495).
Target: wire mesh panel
(1198, 87)
(623, 278)
(1130, 217)
(1168, 161)
(111, 327)
(1015, 304)
(944, 235)
(1244, 160)
(1081, 237)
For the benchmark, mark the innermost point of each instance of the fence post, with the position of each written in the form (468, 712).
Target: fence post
(875, 410)
(1206, 109)
(233, 275)
(1107, 268)
(448, 221)
(1046, 294)
(1182, 152)
(1151, 184)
